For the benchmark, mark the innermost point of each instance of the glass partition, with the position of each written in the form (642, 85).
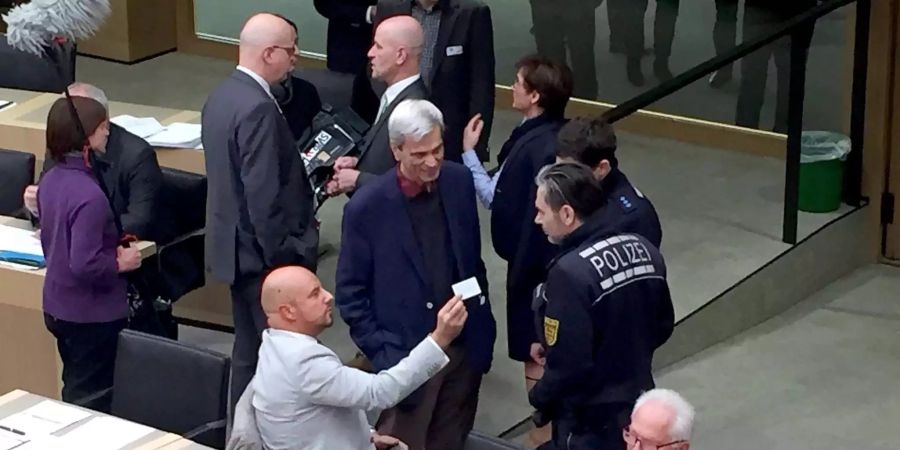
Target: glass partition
(598, 38)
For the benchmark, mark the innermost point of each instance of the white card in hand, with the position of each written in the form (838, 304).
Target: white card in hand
(467, 288)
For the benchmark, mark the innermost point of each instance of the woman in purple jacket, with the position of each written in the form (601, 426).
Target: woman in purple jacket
(85, 303)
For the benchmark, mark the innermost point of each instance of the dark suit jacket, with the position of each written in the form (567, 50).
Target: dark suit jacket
(300, 102)
(462, 85)
(377, 157)
(349, 35)
(260, 204)
(516, 238)
(381, 277)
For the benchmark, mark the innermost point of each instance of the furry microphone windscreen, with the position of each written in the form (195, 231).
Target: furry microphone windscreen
(33, 26)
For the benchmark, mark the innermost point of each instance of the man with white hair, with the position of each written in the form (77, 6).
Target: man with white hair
(661, 419)
(407, 239)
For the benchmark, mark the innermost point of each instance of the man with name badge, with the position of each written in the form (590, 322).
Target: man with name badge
(603, 311)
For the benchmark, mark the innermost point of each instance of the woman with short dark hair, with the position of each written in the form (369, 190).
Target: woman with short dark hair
(85, 302)
(541, 93)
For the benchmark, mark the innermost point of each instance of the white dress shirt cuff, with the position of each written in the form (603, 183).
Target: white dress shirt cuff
(446, 359)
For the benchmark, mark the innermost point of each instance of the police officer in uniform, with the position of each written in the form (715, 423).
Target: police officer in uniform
(605, 309)
(592, 142)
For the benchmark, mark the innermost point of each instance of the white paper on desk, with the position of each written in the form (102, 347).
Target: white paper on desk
(177, 135)
(10, 441)
(3, 105)
(141, 126)
(19, 240)
(104, 433)
(44, 418)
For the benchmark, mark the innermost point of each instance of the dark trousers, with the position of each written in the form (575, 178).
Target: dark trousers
(249, 323)
(599, 429)
(88, 354)
(445, 411)
(570, 27)
(632, 14)
(725, 28)
(755, 66)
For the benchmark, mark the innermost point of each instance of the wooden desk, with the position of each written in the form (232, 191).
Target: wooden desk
(22, 127)
(136, 30)
(27, 349)
(19, 400)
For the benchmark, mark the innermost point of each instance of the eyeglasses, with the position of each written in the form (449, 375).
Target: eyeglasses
(634, 441)
(291, 51)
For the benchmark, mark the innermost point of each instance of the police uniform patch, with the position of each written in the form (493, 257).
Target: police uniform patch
(551, 330)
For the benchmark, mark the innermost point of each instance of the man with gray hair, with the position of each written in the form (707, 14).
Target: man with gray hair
(662, 419)
(602, 313)
(407, 239)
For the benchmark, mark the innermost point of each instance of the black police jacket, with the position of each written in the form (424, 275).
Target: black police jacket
(628, 210)
(605, 309)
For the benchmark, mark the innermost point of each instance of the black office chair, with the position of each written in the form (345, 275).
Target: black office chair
(481, 441)
(171, 386)
(17, 172)
(180, 250)
(48, 73)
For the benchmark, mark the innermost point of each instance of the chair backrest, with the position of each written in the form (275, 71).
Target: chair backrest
(20, 70)
(480, 441)
(170, 385)
(184, 196)
(16, 173)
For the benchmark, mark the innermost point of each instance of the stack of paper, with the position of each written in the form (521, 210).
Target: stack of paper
(141, 126)
(10, 441)
(177, 135)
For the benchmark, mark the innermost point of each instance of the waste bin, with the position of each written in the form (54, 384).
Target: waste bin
(822, 156)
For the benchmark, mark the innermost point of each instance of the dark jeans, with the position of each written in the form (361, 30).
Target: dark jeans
(570, 28)
(249, 323)
(88, 353)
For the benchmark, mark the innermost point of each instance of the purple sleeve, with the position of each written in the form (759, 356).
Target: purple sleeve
(89, 258)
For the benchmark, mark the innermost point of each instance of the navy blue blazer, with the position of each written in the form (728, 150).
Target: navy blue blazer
(381, 278)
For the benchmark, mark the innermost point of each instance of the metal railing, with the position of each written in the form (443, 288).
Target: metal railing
(792, 27)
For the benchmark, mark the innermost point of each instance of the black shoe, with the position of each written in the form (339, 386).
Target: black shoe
(661, 70)
(635, 74)
(720, 78)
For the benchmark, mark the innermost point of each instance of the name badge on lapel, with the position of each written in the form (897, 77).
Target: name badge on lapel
(455, 50)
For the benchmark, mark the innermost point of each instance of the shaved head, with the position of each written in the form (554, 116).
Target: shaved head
(268, 46)
(403, 31)
(293, 299)
(396, 49)
(264, 29)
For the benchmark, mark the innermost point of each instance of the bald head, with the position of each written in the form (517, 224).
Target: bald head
(396, 49)
(268, 46)
(265, 29)
(283, 286)
(403, 31)
(293, 299)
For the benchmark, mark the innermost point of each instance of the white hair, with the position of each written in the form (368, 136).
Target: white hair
(683, 423)
(90, 91)
(414, 119)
